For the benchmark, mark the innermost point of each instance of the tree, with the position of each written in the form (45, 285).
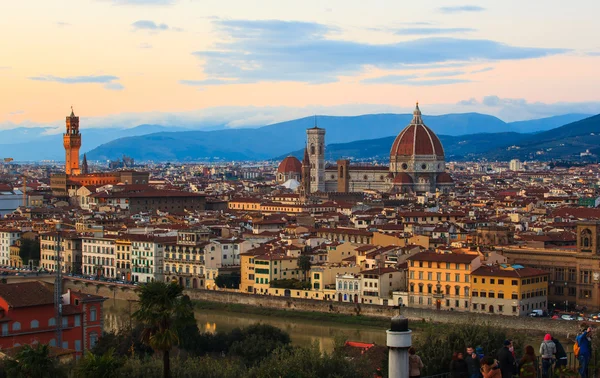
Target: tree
(33, 361)
(29, 250)
(163, 310)
(94, 366)
(231, 281)
(304, 264)
(256, 342)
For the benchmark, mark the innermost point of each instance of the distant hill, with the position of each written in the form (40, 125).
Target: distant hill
(565, 142)
(278, 139)
(455, 147)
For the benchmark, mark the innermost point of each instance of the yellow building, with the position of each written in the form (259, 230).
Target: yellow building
(15, 258)
(123, 252)
(274, 266)
(508, 290)
(441, 280)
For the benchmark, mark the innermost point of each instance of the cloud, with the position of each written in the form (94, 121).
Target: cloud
(513, 109)
(461, 8)
(208, 82)
(274, 50)
(145, 46)
(486, 69)
(149, 25)
(444, 73)
(144, 2)
(411, 80)
(432, 31)
(62, 24)
(17, 112)
(109, 81)
(595, 53)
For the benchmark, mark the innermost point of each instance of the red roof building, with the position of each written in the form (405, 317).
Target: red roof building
(27, 316)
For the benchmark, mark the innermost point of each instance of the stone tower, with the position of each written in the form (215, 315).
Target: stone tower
(304, 189)
(343, 183)
(72, 143)
(84, 166)
(316, 146)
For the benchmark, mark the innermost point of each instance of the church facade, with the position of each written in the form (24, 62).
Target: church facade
(417, 165)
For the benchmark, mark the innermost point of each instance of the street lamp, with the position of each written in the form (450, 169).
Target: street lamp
(567, 301)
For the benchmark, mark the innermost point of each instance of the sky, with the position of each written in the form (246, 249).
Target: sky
(247, 63)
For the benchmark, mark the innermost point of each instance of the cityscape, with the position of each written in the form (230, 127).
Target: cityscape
(457, 236)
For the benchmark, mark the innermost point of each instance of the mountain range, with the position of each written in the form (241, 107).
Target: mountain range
(274, 140)
(565, 142)
(172, 143)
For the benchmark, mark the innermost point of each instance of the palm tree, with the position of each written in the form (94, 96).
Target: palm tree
(32, 362)
(163, 310)
(104, 366)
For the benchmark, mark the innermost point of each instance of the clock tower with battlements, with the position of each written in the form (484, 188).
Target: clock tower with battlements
(72, 143)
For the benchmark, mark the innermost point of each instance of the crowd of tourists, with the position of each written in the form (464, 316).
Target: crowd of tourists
(551, 360)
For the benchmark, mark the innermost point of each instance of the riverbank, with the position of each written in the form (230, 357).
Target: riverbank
(360, 320)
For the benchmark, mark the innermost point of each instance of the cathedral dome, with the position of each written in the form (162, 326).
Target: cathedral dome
(417, 140)
(290, 165)
(403, 179)
(444, 178)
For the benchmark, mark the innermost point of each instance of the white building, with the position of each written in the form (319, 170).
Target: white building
(515, 165)
(147, 256)
(10, 199)
(99, 257)
(8, 237)
(348, 287)
(378, 285)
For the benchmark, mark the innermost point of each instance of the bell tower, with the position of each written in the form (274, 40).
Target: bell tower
(72, 143)
(316, 144)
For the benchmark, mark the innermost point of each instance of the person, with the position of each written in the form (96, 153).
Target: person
(415, 364)
(490, 369)
(585, 351)
(528, 365)
(458, 366)
(506, 361)
(560, 355)
(473, 363)
(547, 352)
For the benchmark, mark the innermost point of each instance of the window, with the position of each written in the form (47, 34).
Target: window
(93, 314)
(16, 326)
(500, 282)
(515, 296)
(457, 278)
(492, 281)
(65, 345)
(78, 345)
(500, 295)
(515, 283)
(35, 324)
(474, 279)
(93, 339)
(65, 322)
(5, 329)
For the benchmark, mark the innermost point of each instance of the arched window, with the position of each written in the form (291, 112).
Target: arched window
(345, 285)
(16, 326)
(412, 287)
(312, 149)
(466, 292)
(34, 324)
(93, 339)
(356, 285)
(339, 285)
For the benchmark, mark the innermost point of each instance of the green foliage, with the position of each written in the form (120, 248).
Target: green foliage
(231, 281)
(436, 345)
(309, 363)
(95, 366)
(304, 264)
(163, 310)
(125, 342)
(256, 342)
(33, 362)
(29, 250)
(290, 284)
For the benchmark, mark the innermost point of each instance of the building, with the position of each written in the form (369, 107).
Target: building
(417, 165)
(348, 287)
(441, 280)
(147, 257)
(515, 165)
(99, 258)
(274, 266)
(72, 143)
(150, 200)
(290, 168)
(123, 246)
(28, 316)
(184, 258)
(70, 250)
(8, 237)
(10, 199)
(574, 273)
(508, 290)
(378, 284)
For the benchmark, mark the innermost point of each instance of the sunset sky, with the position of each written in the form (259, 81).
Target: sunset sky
(255, 62)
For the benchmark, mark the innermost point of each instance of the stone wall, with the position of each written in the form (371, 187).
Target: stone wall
(559, 327)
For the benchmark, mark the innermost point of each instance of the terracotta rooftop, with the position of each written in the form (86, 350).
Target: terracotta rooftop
(26, 294)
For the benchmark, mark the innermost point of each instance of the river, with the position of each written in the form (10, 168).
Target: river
(302, 332)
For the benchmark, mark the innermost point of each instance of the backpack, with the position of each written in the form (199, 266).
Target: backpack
(576, 349)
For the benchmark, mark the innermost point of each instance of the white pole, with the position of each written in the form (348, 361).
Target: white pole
(399, 339)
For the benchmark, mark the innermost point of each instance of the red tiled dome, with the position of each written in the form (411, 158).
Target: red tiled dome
(403, 179)
(290, 165)
(417, 139)
(444, 178)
